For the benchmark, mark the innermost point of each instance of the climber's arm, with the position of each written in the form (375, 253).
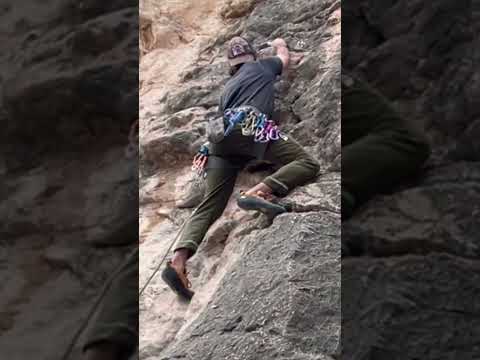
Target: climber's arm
(282, 52)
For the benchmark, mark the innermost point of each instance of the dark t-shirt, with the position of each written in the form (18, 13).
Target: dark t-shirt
(253, 85)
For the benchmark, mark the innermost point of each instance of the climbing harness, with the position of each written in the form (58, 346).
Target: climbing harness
(200, 161)
(251, 121)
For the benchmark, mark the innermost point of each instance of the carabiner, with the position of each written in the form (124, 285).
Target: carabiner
(274, 133)
(260, 136)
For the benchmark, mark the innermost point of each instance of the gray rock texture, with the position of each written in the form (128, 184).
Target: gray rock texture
(413, 296)
(264, 290)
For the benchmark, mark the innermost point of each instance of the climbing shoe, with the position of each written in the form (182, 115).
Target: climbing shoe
(249, 202)
(179, 283)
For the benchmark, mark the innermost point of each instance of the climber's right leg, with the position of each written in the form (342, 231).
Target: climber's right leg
(220, 182)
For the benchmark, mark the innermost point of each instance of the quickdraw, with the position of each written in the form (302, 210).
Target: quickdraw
(200, 161)
(249, 125)
(233, 118)
(252, 124)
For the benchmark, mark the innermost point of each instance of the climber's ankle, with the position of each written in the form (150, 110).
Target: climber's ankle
(260, 189)
(180, 258)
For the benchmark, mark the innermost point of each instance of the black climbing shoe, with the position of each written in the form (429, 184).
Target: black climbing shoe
(178, 283)
(287, 204)
(257, 203)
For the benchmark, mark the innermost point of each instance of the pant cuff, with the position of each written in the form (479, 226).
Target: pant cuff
(279, 188)
(189, 245)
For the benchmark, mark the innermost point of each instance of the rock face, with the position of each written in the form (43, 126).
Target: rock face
(263, 290)
(66, 185)
(271, 304)
(423, 237)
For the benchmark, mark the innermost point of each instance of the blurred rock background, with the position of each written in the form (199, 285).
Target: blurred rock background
(412, 296)
(68, 96)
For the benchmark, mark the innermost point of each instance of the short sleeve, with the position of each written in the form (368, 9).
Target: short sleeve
(274, 64)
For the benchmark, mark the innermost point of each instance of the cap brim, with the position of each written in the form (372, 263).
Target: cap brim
(241, 59)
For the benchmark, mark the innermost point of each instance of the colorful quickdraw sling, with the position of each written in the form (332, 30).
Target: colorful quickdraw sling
(252, 123)
(200, 161)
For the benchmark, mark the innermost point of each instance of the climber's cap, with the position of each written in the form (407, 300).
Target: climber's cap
(239, 51)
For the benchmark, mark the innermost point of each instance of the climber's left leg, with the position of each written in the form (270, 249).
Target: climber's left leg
(298, 167)
(220, 182)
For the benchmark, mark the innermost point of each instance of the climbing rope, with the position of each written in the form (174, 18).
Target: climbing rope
(68, 352)
(129, 152)
(262, 129)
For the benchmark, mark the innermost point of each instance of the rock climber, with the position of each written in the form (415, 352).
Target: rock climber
(247, 108)
(380, 148)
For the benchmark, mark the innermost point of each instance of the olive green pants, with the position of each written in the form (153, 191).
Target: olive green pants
(379, 147)
(297, 168)
(116, 321)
